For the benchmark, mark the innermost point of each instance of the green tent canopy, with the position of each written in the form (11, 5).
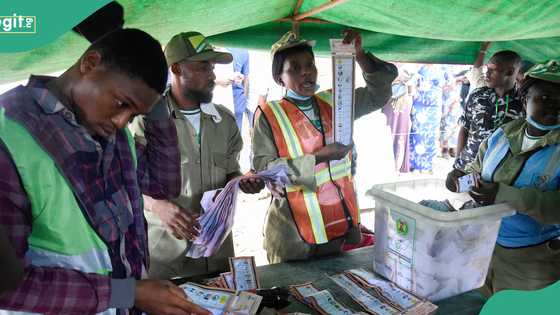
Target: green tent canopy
(436, 31)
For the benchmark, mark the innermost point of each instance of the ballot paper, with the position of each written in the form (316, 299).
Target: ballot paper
(467, 182)
(343, 64)
(219, 210)
(244, 273)
(228, 279)
(222, 301)
(369, 302)
(326, 304)
(301, 291)
(320, 301)
(216, 282)
(386, 289)
(404, 302)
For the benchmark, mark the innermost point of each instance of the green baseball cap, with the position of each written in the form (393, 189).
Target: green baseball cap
(547, 71)
(193, 46)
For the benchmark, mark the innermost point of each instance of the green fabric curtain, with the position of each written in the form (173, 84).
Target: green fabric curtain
(434, 31)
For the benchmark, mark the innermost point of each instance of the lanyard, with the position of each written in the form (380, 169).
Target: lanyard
(497, 122)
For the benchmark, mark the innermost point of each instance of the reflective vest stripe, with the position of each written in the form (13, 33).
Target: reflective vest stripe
(295, 150)
(294, 147)
(337, 172)
(94, 261)
(316, 217)
(323, 213)
(61, 235)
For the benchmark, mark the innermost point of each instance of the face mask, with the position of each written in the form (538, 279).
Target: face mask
(540, 126)
(293, 95)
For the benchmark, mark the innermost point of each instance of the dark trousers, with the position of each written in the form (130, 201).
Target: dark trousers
(527, 268)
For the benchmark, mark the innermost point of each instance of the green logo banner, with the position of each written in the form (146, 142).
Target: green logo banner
(28, 24)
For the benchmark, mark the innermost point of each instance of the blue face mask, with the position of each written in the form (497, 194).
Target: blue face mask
(540, 126)
(293, 95)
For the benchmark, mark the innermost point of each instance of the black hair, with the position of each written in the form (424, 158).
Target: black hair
(135, 53)
(109, 18)
(508, 57)
(280, 57)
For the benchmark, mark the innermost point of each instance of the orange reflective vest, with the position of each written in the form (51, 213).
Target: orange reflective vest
(329, 211)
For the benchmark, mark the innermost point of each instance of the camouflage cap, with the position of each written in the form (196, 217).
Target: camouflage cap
(547, 71)
(193, 46)
(289, 40)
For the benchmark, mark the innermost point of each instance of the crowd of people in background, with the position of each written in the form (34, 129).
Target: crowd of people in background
(428, 110)
(423, 114)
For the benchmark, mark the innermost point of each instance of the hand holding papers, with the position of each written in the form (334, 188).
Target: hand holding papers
(219, 210)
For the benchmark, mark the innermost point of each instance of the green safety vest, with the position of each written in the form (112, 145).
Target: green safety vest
(61, 235)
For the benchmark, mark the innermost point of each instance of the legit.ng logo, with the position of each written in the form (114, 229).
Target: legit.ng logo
(18, 24)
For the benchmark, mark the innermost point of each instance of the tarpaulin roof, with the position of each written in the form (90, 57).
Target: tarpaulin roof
(437, 31)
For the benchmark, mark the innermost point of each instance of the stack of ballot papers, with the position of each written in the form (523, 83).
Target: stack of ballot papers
(379, 296)
(321, 301)
(221, 301)
(219, 210)
(375, 295)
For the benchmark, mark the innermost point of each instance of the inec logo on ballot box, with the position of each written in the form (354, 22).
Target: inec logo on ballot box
(402, 227)
(18, 24)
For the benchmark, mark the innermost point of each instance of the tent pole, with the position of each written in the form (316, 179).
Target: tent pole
(306, 20)
(297, 18)
(297, 7)
(295, 28)
(295, 24)
(319, 9)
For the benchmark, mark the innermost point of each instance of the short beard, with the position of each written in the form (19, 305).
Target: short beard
(198, 96)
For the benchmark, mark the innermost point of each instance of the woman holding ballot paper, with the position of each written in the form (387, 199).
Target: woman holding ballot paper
(318, 213)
